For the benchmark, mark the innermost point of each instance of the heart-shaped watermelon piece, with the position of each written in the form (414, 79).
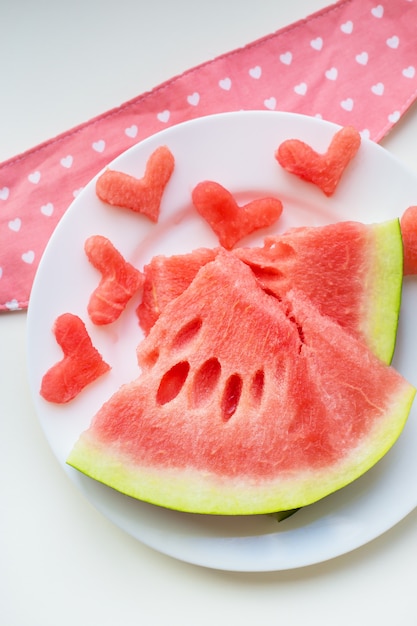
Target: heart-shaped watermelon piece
(119, 280)
(323, 170)
(141, 195)
(227, 219)
(81, 363)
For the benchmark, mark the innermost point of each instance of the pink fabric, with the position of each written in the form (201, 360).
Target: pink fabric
(353, 63)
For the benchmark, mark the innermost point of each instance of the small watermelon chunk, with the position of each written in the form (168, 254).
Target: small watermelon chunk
(245, 404)
(119, 280)
(351, 271)
(81, 365)
(323, 170)
(165, 278)
(142, 195)
(229, 221)
(409, 235)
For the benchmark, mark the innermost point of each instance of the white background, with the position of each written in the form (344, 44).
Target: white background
(61, 562)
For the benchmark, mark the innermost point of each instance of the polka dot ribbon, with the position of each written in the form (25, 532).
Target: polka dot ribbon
(353, 63)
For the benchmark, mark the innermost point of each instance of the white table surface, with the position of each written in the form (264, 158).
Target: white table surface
(61, 562)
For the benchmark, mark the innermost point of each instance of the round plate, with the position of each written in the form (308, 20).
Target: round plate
(236, 150)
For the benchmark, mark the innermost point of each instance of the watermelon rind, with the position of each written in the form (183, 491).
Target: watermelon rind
(381, 310)
(198, 492)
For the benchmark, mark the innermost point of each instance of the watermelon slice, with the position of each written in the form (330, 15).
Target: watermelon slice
(245, 405)
(351, 271)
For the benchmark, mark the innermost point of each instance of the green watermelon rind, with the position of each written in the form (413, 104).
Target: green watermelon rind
(382, 307)
(193, 491)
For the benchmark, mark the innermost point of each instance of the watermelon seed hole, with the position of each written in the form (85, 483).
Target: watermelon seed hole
(257, 386)
(172, 382)
(205, 382)
(187, 333)
(231, 396)
(267, 273)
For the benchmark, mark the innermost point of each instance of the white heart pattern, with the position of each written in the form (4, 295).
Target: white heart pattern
(99, 145)
(301, 89)
(362, 58)
(12, 305)
(393, 42)
(131, 131)
(34, 177)
(28, 257)
(270, 103)
(163, 116)
(193, 99)
(15, 224)
(347, 27)
(255, 72)
(347, 104)
(316, 43)
(331, 74)
(225, 83)
(409, 71)
(4, 193)
(47, 209)
(394, 117)
(66, 161)
(378, 11)
(378, 89)
(286, 58)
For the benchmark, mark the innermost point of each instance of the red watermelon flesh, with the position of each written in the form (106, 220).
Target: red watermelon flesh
(351, 271)
(245, 404)
(165, 278)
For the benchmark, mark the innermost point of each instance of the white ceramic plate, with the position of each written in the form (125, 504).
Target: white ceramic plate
(236, 150)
